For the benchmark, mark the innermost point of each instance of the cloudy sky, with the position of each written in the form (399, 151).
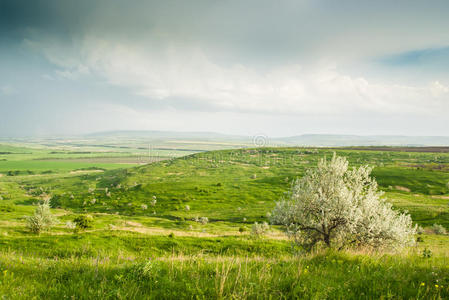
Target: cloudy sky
(241, 67)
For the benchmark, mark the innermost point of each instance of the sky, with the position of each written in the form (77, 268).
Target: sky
(278, 68)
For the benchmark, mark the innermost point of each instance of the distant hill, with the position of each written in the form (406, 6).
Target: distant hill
(314, 140)
(164, 135)
(357, 140)
(215, 141)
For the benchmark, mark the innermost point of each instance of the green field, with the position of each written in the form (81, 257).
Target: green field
(138, 249)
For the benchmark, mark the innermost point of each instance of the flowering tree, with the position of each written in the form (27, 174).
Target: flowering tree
(341, 207)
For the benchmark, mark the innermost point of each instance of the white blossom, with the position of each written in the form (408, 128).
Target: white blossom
(70, 225)
(341, 207)
(259, 229)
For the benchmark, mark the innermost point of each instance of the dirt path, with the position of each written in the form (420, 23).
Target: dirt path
(163, 231)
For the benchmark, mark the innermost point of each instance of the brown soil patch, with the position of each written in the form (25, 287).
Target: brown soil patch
(163, 231)
(402, 188)
(440, 197)
(135, 224)
(86, 171)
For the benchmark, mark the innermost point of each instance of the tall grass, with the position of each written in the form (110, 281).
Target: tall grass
(321, 276)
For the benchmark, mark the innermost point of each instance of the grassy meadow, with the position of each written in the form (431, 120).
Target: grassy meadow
(147, 240)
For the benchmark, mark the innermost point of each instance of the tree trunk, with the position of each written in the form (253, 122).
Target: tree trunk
(327, 240)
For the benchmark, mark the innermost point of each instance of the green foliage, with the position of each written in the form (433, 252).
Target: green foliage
(426, 253)
(7, 207)
(83, 222)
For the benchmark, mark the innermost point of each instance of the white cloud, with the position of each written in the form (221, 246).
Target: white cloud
(188, 74)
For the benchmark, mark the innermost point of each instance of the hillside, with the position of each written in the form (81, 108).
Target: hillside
(154, 211)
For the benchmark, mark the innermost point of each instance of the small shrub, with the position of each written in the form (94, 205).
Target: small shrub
(70, 225)
(242, 229)
(439, 229)
(42, 218)
(7, 207)
(83, 221)
(259, 229)
(171, 235)
(419, 230)
(426, 253)
(204, 220)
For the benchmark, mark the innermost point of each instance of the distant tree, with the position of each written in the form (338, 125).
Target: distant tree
(339, 207)
(42, 219)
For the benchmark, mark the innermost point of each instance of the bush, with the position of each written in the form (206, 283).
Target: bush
(42, 218)
(7, 207)
(70, 225)
(83, 221)
(259, 229)
(439, 229)
(419, 230)
(341, 207)
(426, 253)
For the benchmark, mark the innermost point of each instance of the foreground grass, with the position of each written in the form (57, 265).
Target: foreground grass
(124, 265)
(324, 276)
